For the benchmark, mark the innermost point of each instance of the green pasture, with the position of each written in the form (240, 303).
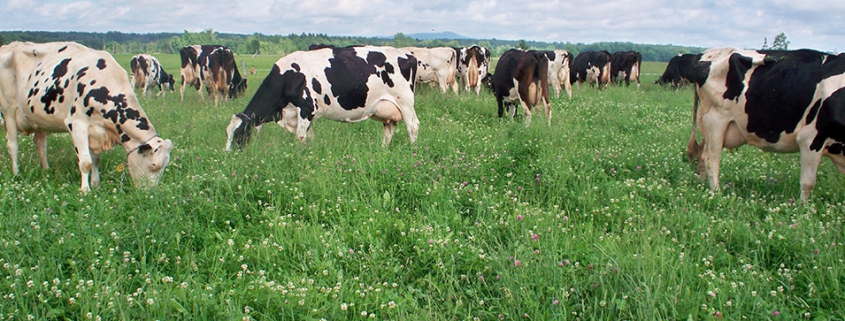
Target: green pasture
(596, 217)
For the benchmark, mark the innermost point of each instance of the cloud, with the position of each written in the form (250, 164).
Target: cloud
(811, 24)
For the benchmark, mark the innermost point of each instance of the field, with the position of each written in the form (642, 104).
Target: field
(598, 217)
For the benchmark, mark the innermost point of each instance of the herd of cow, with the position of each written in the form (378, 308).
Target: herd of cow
(781, 101)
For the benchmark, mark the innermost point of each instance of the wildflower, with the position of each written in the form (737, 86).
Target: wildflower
(535, 237)
(776, 313)
(517, 263)
(555, 302)
(519, 217)
(343, 306)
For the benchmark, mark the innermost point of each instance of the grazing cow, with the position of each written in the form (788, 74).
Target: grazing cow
(591, 67)
(211, 66)
(349, 84)
(560, 62)
(679, 70)
(779, 101)
(147, 73)
(473, 66)
(67, 87)
(524, 76)
(625, 65)
(436, 65)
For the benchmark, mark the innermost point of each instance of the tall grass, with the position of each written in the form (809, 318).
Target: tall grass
(598, 217)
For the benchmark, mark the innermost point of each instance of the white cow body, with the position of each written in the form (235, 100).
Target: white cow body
(66, 87)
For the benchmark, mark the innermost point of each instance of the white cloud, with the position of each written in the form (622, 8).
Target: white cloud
(811, 24)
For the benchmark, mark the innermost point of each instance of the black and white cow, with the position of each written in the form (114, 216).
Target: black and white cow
(523, 76)
(779, 101)
(625, 66)
(436, 65)
(214, 67)
(679, 70)
(473, 66)
(560, 63)
(67, 87)
(147, 73)
(591, 67)
(349, 84)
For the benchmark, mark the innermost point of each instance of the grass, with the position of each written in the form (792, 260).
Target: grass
(598, 217)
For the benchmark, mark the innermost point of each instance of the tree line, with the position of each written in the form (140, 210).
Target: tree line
(170, 43)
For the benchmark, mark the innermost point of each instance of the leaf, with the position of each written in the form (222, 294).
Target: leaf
(175, 305)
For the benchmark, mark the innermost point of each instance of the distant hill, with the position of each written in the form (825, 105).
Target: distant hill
(445, 35)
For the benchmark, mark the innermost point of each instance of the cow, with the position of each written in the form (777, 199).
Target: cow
(238, 84)
(436, 65)
(473, 66)
(625, 65)
(778, 101)
(591, 67)
(147, 73)
(560, 62)
(348, 84)
(679, 70)
(212, 66)
(67, 87)
(522, 75)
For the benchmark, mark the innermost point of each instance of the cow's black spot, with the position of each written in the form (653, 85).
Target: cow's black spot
(124, 138)
(90, 111)
(76, 150)
(389, 67)
(831, 122)
(327, 100)
(80, 88)
(295, 66)
(813, 112)
(385, 77)
(70, 126)
(73, 110)
(92, 82)
(31, 92)
(836, 149)
(67, 82)
(738, 65)
(61, 69)
(51, 95)
(81, 72)
(101, 64)
(408, 68)
(32, 109)
(315, 84)
(61, 99)
(347, 73)
(62, 49)
(779, 94)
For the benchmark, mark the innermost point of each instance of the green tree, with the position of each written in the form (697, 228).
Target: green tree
(401, 40)
(2, 40)
(780, 42)
(522, 44)
(254, 46)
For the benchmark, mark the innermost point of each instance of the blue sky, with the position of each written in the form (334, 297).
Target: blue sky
(807, 24)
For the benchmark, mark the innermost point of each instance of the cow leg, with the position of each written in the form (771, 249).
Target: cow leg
(95, 170)
(40, 139)
(12, 142)
(810, 160)
(714, 127)
(526, 109)
(406, 113)
(182, 91)
(83, 152)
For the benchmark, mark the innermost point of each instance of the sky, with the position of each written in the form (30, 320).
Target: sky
(745, 23)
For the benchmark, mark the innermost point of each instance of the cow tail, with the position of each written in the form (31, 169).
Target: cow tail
(472, 73)
(693, 147)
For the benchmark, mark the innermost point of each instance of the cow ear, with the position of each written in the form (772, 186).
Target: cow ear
(145, 149)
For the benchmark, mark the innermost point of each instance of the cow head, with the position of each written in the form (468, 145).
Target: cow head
(146, 163)
(168, 82)
(239, 131)
(237, 87)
